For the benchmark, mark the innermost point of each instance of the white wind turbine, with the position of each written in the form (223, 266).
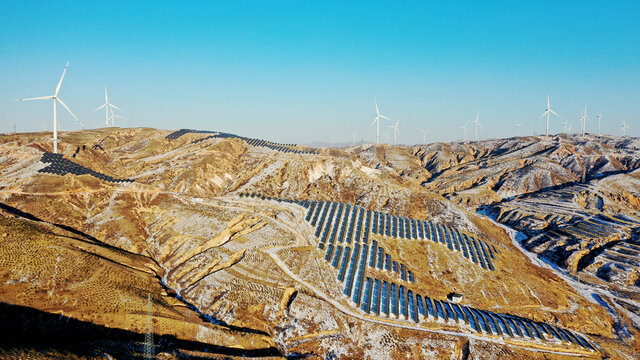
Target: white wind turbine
(625, 127)
(108, 110)
(599, 119)
(464, 131)
(377, 121)
(564, 127)
(424, 135)
(476, 123)
(56, 99)
(353, 139)
(517, 125)
(396, 132)
(548, 112)
(583, 120)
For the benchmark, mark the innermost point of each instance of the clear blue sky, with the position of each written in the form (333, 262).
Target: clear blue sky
(304, 71)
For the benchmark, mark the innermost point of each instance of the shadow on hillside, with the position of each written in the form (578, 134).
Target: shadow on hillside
(27, 328)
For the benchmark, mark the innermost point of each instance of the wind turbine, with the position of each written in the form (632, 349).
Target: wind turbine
(583, 120)
(476, 123)
(548, 112)
(56, 99)
(625, 127)
(353, 139)
(564, 127)
(517, 125)
(377, 121)
(464, 129)
(396, 132)
(599, 118)
(424, 135)
(108, 107)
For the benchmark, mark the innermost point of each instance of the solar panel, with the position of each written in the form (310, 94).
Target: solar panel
(394, 228)
(454, 236)
(463, 245)
(440, 310)
(367, 227)
(310, 211)
(385, 297)
(470, 248)
(430, 307)
(352, 267)
(380, 258)
(401, 227)
(440, 234)
(345, 219)
(374, 252)
(495, 329)
(375, 308)
(336, 223)
(461, 316)
(450, 313)
(403, 272)
(478, 253)
(343, 265)
(336, 257)
(366, 303)
(403, 302)
(375, 222)
(322, 219)
(387, 227)
(361, 267)
(410, 276)
(472, 319)
(394, 300)
(412, 307)
(387, 262)
(447, 237)
(420, 228)
(421, 307)
(329, 253)
(394, 266)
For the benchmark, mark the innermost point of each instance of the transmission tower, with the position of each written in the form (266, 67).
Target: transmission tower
(149, 353)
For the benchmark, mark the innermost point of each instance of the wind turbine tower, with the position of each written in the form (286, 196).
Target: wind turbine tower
(583, 120)
(108, 109)
(396, 132)
(547, 113)
(56, 99)
(517, 125)
(376, 121)
(424, 135)
(464, 131)
(476, 123)
(625, 127)
(599, 119)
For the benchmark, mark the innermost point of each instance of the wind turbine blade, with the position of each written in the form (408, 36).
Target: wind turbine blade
(374, 121)
(384, 117)
(98, 108)
(554, 113)
(60, 83)
(113, 106)
(377, 111)
(70, 112)
(38, 98)
(544, 113)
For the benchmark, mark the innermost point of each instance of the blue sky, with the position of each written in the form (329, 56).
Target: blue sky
(309, 71)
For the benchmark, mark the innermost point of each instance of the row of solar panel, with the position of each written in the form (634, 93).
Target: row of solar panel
(286, 148)
(61, 166)
(388, 225)
(384, 298)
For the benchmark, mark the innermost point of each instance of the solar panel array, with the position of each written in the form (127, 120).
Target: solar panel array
(61, 166)
(286, 148)
(357, 264)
